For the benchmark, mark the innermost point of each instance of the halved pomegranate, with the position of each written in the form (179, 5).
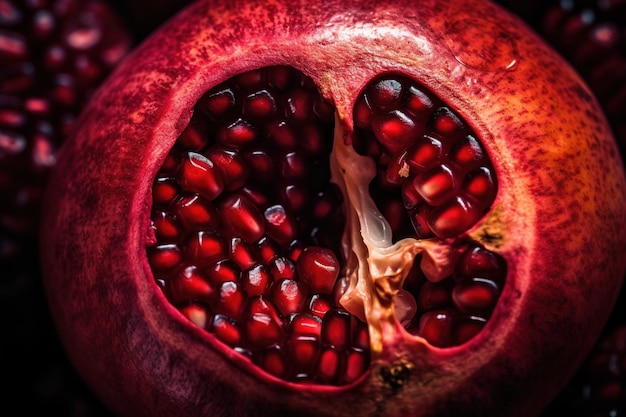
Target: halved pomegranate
(335, 209)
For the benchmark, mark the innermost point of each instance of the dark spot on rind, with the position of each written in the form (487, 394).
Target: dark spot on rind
(396, 375)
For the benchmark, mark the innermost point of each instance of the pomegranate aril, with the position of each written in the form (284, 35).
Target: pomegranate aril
(395, 130)
(242, 253)
(263, 329)
(303, 351)
(384, 94)
(288, 295)
(237, 134)
(204, 247)
(282, 267)
(230, 300)
(198, 174)
(242, 218)
(189, 284)
(259, 104)
(274, 362)
(318, 268)
(320, 304)
(226, 330)
(357, 362)
(217, 103)
(224, 270)
(256, 280)
(436, 328)
(164, 257)
(280, 225)
(329, 364)
(475, 295)
(445, 122)
(197, 313)
(195, 212)
(305, 325)
(166, 226)
(336, 328)
(436, 186)
(232, 166)
(299, 105)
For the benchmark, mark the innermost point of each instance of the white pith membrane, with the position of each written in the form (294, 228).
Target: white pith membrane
(375, 265)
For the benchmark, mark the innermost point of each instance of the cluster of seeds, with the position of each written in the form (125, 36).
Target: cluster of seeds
(247, 225)
(434, 179)
(429, 160)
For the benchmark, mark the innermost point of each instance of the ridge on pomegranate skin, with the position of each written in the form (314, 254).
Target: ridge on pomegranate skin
(475, 195)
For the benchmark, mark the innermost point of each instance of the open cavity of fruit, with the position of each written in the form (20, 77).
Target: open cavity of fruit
(307, 247)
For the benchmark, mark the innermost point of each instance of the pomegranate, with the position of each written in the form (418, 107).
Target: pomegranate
(332, 209)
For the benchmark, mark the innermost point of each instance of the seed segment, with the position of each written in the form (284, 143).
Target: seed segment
(248, 228)
(427, 155)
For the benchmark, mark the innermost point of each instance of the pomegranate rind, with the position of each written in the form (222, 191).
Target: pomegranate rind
(559, 219)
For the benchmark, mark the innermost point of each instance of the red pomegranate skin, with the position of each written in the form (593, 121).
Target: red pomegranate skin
(559, 219)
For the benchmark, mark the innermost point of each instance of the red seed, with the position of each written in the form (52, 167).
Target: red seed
(303, 352)
(362, 113)
(203, 247)
(466, 328)
(238, 134)
(396, 131)
(436, 328)
(436, 186)
(288, 296)
(267, 250)
(446, 122)
(385, 94)
(419, 218)
(280, 225)
(164, 257)
(479, 184)
(294, 165)
(320, 304)
(299, 104)
(282, 135)
(195, 135)
(466, 151)
(480, 262)
(453, 218)
(261, 165)
(256, 280)
(424, 153)
(224, 270)
(166, 226)
(329, 364)
(194, 212)
(259, 104)
(218, 103)
(164, 190)
(356, 365)
(242, 218)
(232, 166)
(304, 324)
(319, 269)
(434, 296)
(242, 253)
(336, 328)
(230, 300)
(189, 284)
(417, 101)
(197, 313)
(226, 330)
(475, 295)
(274, 362)
(282, 268)
(360, 335)
(198, 174)
(262, 326)
(281, 77)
